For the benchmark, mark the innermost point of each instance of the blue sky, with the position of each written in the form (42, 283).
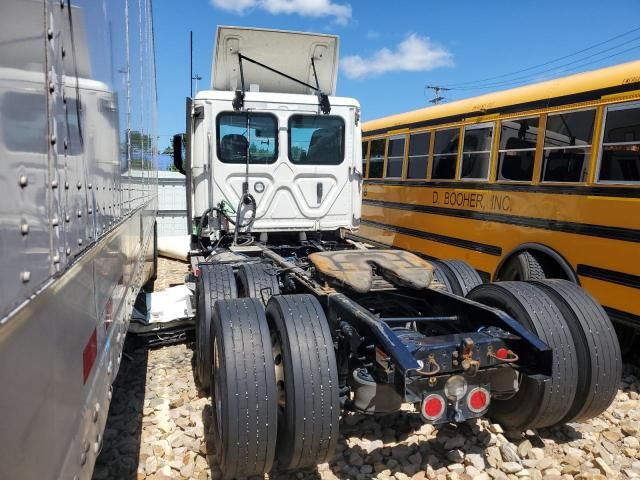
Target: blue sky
(391, 50)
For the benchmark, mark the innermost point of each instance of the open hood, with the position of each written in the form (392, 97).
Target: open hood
(285, 51)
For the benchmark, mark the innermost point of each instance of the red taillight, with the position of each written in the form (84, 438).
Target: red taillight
(478, 399)
(196, 272)
(433, 407)
(502, 353)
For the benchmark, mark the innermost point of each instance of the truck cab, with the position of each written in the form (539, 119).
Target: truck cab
(269, 142)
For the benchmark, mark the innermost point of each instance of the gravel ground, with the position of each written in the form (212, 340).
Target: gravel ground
(157, 423)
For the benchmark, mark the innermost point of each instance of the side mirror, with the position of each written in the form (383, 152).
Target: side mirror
(177, 153)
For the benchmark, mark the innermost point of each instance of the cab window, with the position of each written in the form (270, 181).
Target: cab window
(620, 157)
(567, 146)
(240, 134)
(445, 153)
(517, 151)
(418, 155)
(376, 158)
(316, 139)
(395, 157)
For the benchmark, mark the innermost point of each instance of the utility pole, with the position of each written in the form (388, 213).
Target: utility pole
(436, 90)
(195, 77)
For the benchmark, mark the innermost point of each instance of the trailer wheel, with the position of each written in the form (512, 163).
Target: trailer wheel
(459, 277)
(258, 281)
(243, 388)
(307, 378)
(523, 266)
(537, 404)
(215, 282)
(597, 348)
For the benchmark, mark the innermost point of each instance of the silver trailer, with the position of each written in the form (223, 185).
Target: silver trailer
(77, 220)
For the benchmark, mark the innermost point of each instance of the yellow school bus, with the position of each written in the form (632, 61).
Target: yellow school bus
(533, 182)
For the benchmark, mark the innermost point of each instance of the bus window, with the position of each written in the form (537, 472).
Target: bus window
(376, 158)
(418, 155)
(365, 148)
(620, 157)
(517, 149)
(395, 157)
(567, 146)
(476, 152)
(445, 153)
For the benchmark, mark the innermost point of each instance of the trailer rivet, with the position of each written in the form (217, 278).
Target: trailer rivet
(56, 258)
(55, 221)
(79, 213)
(85, 446)
(54, 184)
(64, 51)
(66, 144)
(83, 459)
(24, 228)
(68, 251)
(25, 276)
(67, 218)
(89, 186)
(52, 87)
(53, 139)
(90, 211)
(79, 185)
(79, 241)
(66, 185)
(50, 33)
(23, 181)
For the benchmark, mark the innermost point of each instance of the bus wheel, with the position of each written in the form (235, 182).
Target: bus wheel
(243, 388)
(523, 266)
(597, 348)
(307, 380)
(215, 282)
(459, 277)
(258, 281)
(537, 404)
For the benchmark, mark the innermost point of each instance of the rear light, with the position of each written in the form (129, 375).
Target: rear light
(502, 353)
(455, 388)
(196, 272)
(478, 399)
(432, 407)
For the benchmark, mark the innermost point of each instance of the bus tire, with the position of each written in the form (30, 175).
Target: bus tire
(215, 282)
(536, 404)
(243, 388)
(307, 379)
(597, 348)
(522, 267)
(459, 277)
(258, 281)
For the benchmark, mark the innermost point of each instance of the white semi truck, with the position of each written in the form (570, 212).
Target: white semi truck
(297, 320)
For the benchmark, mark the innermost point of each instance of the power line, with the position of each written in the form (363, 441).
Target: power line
(527, 79)
(548, 62)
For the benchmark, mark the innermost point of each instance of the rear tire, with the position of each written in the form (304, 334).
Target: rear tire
(215, 282)
(258, 281)
(307, 378)
(243, 388)
(536, 404)
(459, 277)
(597, 348)
(522, 267)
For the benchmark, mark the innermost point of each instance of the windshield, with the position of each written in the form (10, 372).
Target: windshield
(239, 132)
(316, 139)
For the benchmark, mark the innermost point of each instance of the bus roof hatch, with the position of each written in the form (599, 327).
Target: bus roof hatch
(283, 51)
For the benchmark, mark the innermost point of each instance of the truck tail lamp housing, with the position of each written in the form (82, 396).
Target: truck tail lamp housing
(478, 399)
(432, 407)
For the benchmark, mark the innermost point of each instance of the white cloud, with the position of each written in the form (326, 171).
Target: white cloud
(413, 54)
(341, 12)
(371, 34)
